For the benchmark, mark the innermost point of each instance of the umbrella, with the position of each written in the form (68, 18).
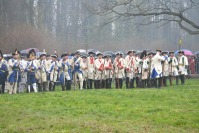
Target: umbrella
(26, 51)
(196, 53)
(186, 52)
(109, 53)
(81, 50)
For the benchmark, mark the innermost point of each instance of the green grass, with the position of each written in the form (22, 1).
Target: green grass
(171, 109)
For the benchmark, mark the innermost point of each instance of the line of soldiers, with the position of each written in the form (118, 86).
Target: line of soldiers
(94, 70)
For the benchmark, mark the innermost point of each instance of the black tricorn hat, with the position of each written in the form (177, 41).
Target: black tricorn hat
(77, 53)
(54, 56)
(91, 52)
(164, 52)
(130, 51)
(64, 54)
(158, 50)
(143, 54)
(16, 52)
(99, 53)
(31, 53)
(180, 51)
(171, 52)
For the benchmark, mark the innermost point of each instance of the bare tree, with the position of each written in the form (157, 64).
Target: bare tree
(161, 12)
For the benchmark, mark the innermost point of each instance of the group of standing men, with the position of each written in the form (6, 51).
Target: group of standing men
(94, 70)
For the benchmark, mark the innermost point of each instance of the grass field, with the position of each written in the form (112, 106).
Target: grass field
(171, 109)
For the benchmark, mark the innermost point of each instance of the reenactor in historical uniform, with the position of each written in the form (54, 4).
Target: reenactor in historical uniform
(99, 76)
(3, 72)
(85, 71)
(183, 65)
(65, 72)
(91, 69)
(139, 66)
(77, 73)
(108, 66)
(14, 77)
(119, 65)
(31, 69)
(173, 67)
(165, 68)
(144, 69)
(187, 63)
(42, 72)
(48, 61)
(54, 69)
(157, 68)
(23, 83)
(149, 59)
(131, 68)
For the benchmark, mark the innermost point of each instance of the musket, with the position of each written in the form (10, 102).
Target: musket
(130, 71)
(74, 74)
(52, 83)
(149, 77)
(140, 82)
(101, 74)
(170, 77)
(162, 72)
(17, 77)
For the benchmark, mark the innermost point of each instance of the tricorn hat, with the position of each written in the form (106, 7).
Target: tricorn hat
(91, 52)
(180, 51)
(99, 53)
(130, 51)
(158, 50)
(31, 54)
(171, 52)
(77, 53)
(164, 52)
(16, 52)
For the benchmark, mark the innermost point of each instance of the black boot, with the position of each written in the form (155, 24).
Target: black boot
(127, 82)
(50, 86)
(54, 86)
(165, 81)
(156, 83)
(110, 82)
(121, 83)
(103, 84)
(137, 82)
(39, 87)
(95, 84)
(176, 80)
(107, 83)
(132, 83)
(84, 84)
(63, 87)
(91, 84)
(117, 83)
(182, 79)
(68, 85)
(159, 82)
(44, 86)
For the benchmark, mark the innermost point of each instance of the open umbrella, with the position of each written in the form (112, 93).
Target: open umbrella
(81, 50)
(186, 52)
(26, 51)
(196, 53)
